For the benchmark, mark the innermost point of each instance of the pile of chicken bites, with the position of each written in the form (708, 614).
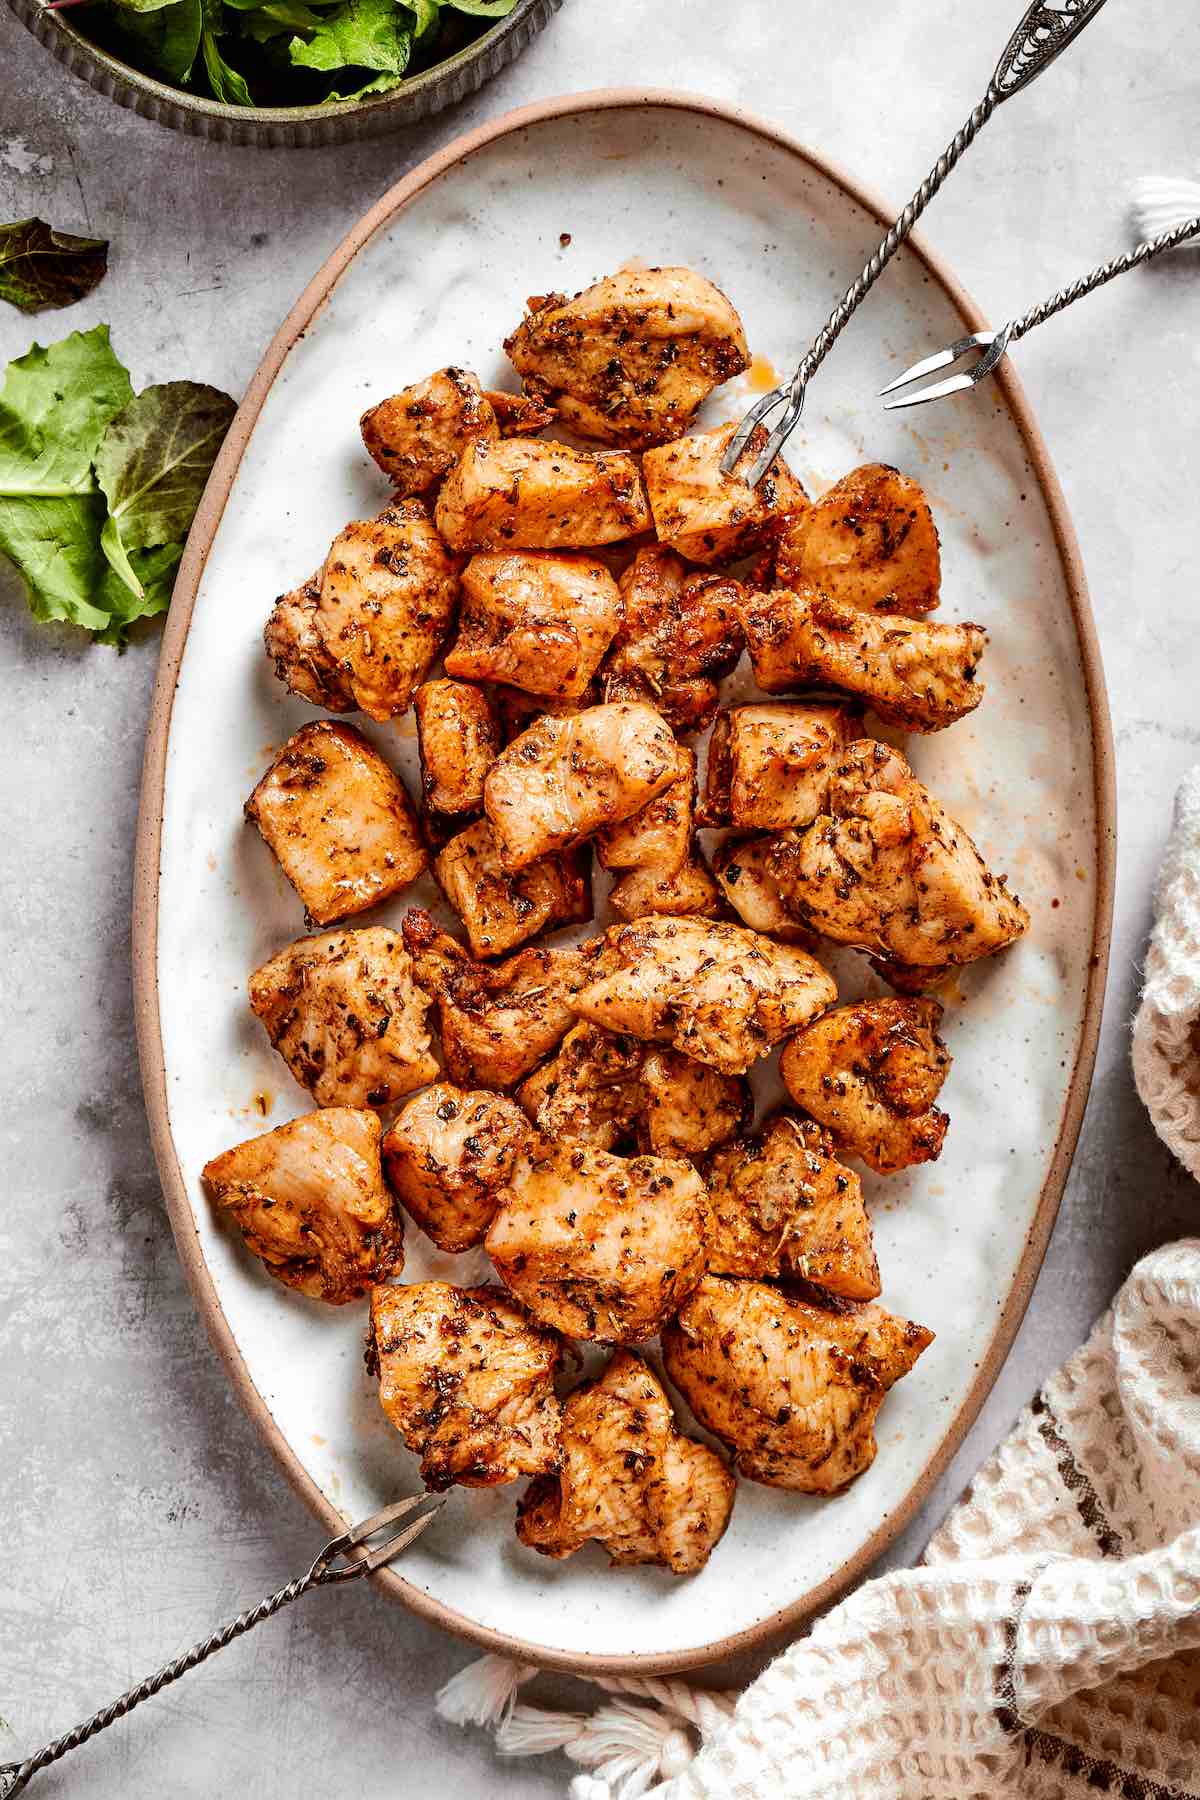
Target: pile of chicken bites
(581, 1108)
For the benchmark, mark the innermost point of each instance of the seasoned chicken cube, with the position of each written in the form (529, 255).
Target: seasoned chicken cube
(468, 1382)
(768, 765)
(716, 992)
(690, 891)
(741, 870)
(310, 1202)
(522, 494)
(563, 779)
(347, 1016)
(339, 822)
(919, 674)
(303, 660)
(502, 910)
(520, 415)
(628, 1478)
(459, 736)
(678, 632)
(689, 1108)
(600, 1246)
(448, 1155)
(709, 517)
(870, 541)
(871, 1073)
(660, 835)
(792, 1389)
(589, 1091)
(887, 869)
(498, 1022)
(536, 620)
(388, 593)
(417, 435)
(629, 360)
(784, 1206)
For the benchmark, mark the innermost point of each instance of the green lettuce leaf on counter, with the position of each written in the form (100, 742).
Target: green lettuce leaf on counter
(41, 267)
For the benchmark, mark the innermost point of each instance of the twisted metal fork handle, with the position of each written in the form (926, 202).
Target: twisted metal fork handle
(1117, 265)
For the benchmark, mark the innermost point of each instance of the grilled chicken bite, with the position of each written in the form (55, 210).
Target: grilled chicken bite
(468, 1382)
(690, 892)
(658, 836)
(793, 1389)
(347, 1017)
(741, 870)
(768, 765)
(417, 435)
(709, 517)
(338, 820)
(919, 675)
(887, 869)
(870, 541)
(599, 1246)
(783, 1205)
(303, 660)
(678, 632)
(630, 359)
(310, 1202)
(459, 737)
(589, 1091)
(628, 1478)
(521, 494)
(716, 992)
(448, 1155)
(687, 1107)
(497, 1023)
(536, 620)
(871, 1073)
(501, 910)
(563, 779)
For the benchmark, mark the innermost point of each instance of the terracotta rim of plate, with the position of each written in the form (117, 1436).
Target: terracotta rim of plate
(146, 878)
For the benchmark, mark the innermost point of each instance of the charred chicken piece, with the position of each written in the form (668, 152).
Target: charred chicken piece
(887, 869)
(919, 674)
(689, 1108)
(678, 633)
(459, 737)
(629, 360)
(520, 415)
(871, 1073)
(417, 435)
(501, 910)
(628, 1478)
(535, 620)
(599, 1246)
(563, 779)
(448, 1155)
(303, 660)
(389, 588)
(792, 1389)
(339, 822)
(522, 494)
(498, 1022)
(784, 1206)
(709, 517)
(467, 1380)
(716, 992)
(518, 710)
(768, 765)
(659, 836)
(310, 1202)
(690, 892)
(741, 870)
(589, 1092)
(870, 541)
(347, 1016)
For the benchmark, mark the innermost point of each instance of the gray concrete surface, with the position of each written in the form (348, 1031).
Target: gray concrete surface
(136, 1505)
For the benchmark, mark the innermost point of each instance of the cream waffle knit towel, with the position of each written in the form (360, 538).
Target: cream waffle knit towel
(1049, 1646)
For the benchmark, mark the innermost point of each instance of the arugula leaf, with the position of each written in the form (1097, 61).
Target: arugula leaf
(170, 37)
(227, 85)
(41, 267)
(366, 34)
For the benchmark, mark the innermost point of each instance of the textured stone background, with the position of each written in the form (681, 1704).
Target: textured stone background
(137, 1506)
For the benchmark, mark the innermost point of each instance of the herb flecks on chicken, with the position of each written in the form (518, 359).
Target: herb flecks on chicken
(447, 1157)
(459, 737)
(523, 494)
(709, 517)
(679, 631)
(769, 764)
(870, 541)
(467, 1380)
(310, 1202)
(628, 1478)
(536, 620)
(502, 908)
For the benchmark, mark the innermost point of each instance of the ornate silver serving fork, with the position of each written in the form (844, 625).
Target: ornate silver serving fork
(357, 1552)
(995, 345)
(1045, 31)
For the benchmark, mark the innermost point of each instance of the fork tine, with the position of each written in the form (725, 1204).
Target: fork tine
(941, 359)
(409, 1535)
(337, 1561)
(741, 437)
(938, 390)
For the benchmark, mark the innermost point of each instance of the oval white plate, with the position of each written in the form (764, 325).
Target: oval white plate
(437, 273)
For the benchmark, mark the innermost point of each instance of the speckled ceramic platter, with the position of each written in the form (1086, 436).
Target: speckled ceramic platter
(437, 272)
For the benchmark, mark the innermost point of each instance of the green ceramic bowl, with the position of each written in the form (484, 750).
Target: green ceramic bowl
(424, 94)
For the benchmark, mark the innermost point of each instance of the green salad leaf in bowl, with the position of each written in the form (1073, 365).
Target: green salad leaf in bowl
(284, 52)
